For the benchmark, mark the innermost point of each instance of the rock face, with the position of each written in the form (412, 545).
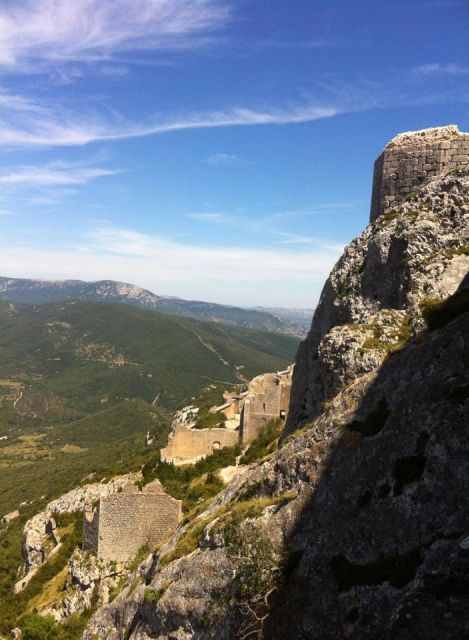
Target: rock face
(358, 527)
(377, 539)
(371, 299)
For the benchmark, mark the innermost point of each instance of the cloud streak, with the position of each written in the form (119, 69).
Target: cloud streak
(25, 123)
(35, 34)
(226, 159)
(52, 175)
(435, 69)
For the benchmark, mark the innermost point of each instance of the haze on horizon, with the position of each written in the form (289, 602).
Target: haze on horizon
(209, 149)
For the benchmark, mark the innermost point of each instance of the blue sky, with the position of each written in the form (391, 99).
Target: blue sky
(210, 149)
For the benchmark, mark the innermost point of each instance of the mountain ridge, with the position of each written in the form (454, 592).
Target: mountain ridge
(35, 291)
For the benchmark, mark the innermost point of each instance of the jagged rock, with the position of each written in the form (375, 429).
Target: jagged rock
(415, 251)
(88, 579)
(379, 526)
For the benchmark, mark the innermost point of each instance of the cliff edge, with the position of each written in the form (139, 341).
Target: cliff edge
(371, 301)
(357, 528)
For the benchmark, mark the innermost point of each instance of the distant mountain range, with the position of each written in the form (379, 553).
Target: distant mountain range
(277, 320)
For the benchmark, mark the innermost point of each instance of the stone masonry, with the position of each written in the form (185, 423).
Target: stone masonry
(187, 445)
(410, 159)
(122, 523)
(268, 398)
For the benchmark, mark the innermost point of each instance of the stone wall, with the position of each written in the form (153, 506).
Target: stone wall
(187, 445)
(412, 158)
(268, 398)
(123, 522)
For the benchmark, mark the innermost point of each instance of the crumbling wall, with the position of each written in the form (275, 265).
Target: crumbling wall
(124, 522)
(268, 398)
(186, 444)
(410, 159)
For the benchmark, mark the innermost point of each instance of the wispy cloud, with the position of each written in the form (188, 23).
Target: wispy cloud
(47, 185)
(435, 69)
(28, 123)
(163, 265)
(208, 217)
(37, 34)
(226, 159)
(53, 174)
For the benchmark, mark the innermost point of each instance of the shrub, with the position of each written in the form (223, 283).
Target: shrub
(150, 596)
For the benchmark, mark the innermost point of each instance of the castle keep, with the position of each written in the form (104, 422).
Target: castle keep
(410, 159)
(267, 398)
(122, 523)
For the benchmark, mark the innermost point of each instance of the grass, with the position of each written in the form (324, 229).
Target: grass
(439, 312)
(194, 484)
(264, 443)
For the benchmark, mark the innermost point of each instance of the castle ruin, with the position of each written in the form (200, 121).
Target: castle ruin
(122, 523)
(267, 398)
(410, 159)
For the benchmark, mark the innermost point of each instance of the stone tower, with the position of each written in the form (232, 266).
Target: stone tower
(410, 159)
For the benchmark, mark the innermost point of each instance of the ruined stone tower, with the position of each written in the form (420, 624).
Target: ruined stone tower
(410, 159)
(121, 523)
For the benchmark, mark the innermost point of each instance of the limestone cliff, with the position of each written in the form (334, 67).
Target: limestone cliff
(371, 300)
(358, 527)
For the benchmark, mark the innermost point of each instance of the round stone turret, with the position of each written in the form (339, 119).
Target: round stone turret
(413, 157)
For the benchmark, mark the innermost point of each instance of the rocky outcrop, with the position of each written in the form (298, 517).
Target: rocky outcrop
(89, 582)
(358, 527)
(40, 538)
(366, 509)
(418, 250)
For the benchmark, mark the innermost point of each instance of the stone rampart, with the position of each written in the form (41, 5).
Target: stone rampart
(187, 445)
(123, 522)
(268, 398)
(412, 158)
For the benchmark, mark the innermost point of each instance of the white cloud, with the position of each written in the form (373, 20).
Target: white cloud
(233, 275)
(51, 175)
(226, 159)
(35, 34)
(435, 69)
(26, 123)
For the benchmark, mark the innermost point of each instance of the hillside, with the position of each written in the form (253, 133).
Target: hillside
(44, 291)
(88, 380)
(71, 359)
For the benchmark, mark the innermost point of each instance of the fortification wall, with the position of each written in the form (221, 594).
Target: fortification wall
(412, 158)
(123, 522)
(186, 444)
(268, 398)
